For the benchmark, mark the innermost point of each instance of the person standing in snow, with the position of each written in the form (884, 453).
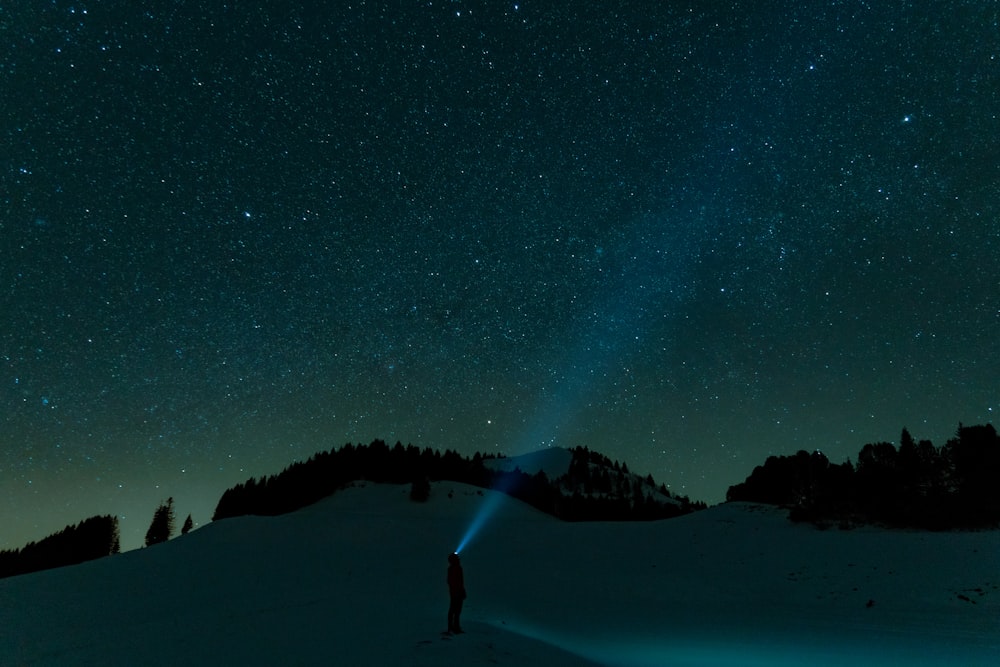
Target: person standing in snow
(456, 590)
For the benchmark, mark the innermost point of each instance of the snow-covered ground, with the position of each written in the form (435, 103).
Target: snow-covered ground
(359, 579)
(554, 461)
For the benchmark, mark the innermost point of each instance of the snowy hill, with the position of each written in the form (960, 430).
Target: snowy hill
(581, 471)
(554, 461)
(358, 579)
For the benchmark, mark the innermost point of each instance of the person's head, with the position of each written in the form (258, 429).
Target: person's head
(453, 558)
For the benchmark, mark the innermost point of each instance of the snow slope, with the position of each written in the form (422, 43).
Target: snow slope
(554, 461)
(358, 579)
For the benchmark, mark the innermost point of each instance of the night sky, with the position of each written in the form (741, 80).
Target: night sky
(688, 235)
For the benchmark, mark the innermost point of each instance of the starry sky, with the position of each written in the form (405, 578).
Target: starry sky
(689, 235)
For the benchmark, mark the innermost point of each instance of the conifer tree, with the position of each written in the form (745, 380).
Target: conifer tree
(114, 536)
(162, 526)
(188, 525)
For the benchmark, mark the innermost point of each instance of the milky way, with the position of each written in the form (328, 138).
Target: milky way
(234, 234)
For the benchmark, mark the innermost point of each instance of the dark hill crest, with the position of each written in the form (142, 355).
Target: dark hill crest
(593, 488)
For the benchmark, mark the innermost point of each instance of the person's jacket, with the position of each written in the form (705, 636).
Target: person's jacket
(456, 581)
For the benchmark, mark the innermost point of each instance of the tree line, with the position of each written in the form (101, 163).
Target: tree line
(914, 485)
(917, 485)
(596, 489)
(306, 482)
(92, 538)
(593, 489)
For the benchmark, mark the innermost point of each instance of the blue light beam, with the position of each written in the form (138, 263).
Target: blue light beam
(491, 504)
(642, 277)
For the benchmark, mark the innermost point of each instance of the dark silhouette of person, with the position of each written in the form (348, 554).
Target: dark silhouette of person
(456, 591)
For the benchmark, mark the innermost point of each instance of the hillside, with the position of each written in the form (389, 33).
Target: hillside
(553, 461)
(575, 485)
(359, 579)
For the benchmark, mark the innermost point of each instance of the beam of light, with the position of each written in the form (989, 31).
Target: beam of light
(489, 507)
(638, 283)
(642, 276)
(486, 510)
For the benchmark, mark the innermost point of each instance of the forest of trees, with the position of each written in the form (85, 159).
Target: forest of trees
(304, 483)
(593, 489)
(916, 485)
(91, 538)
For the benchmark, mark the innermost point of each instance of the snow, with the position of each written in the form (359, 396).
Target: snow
(359, 579)
(554, 461)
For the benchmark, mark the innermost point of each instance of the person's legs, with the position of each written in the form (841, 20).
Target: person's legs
(454, 615)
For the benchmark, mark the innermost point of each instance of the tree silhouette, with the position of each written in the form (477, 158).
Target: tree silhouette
(162, 526)
(916, 485)
(91, 538)
(622, 497)
(974, 456)
(188, 525)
